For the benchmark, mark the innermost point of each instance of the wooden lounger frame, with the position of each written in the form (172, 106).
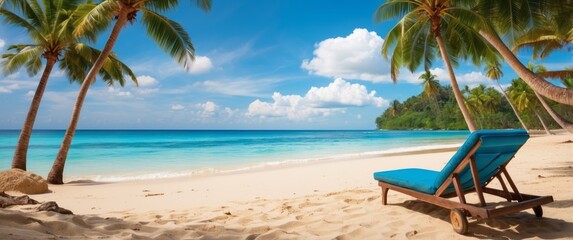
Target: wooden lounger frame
(481, 210)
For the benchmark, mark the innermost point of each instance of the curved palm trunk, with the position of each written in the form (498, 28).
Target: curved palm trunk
(512, 107)
(457, 92)
(538, 84)
(558, 119)
(542, 122)
(19, 160)
(56, 174)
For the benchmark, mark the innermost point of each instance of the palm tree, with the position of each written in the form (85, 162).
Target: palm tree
(493, 71)
(51, 33)
(558, 118)
(430, 83)
(93, 18)
(524, 98)
(431, 88)
(427, 27)
(510, 17)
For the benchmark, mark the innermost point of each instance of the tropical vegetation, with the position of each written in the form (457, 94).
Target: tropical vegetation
(488, 105)
(50, 30)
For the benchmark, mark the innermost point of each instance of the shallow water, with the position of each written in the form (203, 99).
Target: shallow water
(116, 155)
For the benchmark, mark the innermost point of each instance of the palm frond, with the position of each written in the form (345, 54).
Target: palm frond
(513, 17)
(397, 34)
(170, 36)
(11, 62)
(394, 9)
(416, 46)
(14, 19)
(552, 34)
(35, 13)
(392, 38)
(463, 26)
(90, 19)
(79, 58)
(16, 5)
(33, 66)
(547, 49)
(51, 7)
(114, 71)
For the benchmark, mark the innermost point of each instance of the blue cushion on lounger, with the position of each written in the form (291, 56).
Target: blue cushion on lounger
(413, 178)
(496, 149)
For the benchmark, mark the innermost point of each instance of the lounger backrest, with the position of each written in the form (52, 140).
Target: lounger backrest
(497, 148)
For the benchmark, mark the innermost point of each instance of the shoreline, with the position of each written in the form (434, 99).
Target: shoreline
(321, 201)
(264, 166)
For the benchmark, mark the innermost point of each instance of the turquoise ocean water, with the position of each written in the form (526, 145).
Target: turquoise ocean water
(116, 155)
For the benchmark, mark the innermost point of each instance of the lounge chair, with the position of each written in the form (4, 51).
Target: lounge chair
(481, 159)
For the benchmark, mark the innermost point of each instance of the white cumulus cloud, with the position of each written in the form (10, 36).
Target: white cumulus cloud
(356, 56)
(147, 85)
(202, 64)
(207, 109)
(146, 81)
(318, 102)
(341, 93)
(2, 43)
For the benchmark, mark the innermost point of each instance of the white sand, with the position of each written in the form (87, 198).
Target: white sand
(313, 201)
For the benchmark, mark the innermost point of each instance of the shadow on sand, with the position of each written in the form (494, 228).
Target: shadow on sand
(512, 226)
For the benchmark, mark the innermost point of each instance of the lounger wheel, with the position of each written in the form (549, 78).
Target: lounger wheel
(459, 221)
(538, 211)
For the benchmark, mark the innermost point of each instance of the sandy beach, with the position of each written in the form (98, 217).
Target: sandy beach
(326, 200)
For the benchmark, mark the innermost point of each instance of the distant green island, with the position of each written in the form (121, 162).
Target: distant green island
(489, 109)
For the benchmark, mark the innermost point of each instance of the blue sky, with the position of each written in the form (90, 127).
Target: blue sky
(283, 64)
